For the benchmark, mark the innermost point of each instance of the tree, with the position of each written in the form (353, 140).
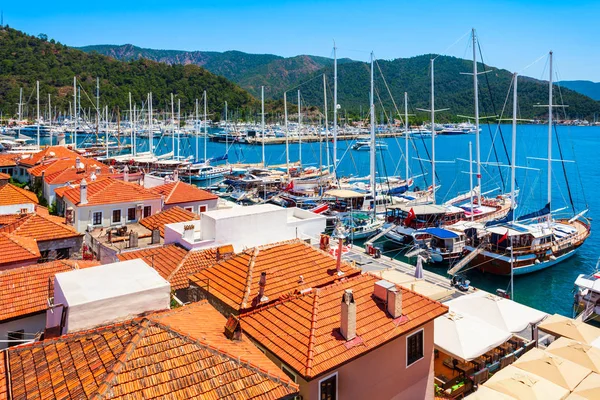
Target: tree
(43, 36)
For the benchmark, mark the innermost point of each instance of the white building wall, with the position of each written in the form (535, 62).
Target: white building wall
(83, 215)
(196, 205)
(16, 208)
(30, 325)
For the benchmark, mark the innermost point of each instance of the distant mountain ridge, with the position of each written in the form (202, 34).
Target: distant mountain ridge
(453, 90)
(587, 88)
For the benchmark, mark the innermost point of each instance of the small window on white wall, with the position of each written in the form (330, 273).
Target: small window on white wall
(97, 218)
(328, 387)
(116, 216)
(414, 347)
(190, 209)
(201, 208)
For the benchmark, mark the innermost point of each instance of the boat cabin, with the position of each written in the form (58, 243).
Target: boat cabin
(345, 200)
(426, 215)
(522, 237)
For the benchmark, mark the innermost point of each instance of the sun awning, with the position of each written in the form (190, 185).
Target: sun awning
(466, 338)
(440, 233)
(560, 326)
(589, 389)
(502, 313)
(344, 194)
(580, 353)
(520, 384)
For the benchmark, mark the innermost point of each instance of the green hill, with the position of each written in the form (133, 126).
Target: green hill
(25, 59)
(453, 90)
(587, 88)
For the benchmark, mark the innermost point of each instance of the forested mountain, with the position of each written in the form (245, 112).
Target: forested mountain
(453, 90)
(587, 88)
(25, 59)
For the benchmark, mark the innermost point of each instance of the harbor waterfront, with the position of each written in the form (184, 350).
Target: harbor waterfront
(549, 290)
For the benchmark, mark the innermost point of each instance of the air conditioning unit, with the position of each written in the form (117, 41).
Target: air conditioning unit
(90, 228)
(381, 288)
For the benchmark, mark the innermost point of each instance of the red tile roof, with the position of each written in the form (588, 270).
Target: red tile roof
(290, 267)
(143, 358)
(26, 290)
(4, 176)
(64, 171)
(8, 160)
(181, 192)
(3, 386)
(49, 153)
(9, 218)
(173, 262)
(14, 249)
(170, 216)
(12, 195)
(316, 346)
(41, 228)
(108, 191)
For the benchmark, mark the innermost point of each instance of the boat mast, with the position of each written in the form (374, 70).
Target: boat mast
(550, 138)
(178, 126)
(172, 126)
(150, 132)
(98, 107)
(38, 113)
(299, 131)
(471, 177)
(50, 117)
(75, 115)
(287, 141)
(373, 149)
(476, 90)
(205, 126)
(20, 110)
(197, 129)
(513, 179)
(105, 127)
(432, 133)
(326, 120)
(134, 143)
(131, 125)
(226, 132)
(262, 113)
(406, 135)
(335, 108)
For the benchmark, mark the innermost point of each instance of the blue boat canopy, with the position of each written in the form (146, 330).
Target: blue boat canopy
(540, 213)
(441, 233)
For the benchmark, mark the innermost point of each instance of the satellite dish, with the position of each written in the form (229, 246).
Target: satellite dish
(338, 106)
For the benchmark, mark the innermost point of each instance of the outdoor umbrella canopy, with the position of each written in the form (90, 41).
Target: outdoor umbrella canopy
(556, 369)
(524, 385)
(502, 313)
(485, 393)
(419, 268)
(580, 353)
(588, 389)
(558, 325)
(464, 337)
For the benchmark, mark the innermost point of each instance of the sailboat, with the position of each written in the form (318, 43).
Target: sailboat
(534, 241)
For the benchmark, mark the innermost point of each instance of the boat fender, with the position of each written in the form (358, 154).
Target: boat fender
(553, 257)
(537, 261)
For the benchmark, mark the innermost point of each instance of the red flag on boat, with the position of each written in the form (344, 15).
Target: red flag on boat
(409, 218)
(504, 237)
(289, 187)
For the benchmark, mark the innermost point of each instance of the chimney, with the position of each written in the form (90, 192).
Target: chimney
(339, 233)
(155, 236)
(93, 177)
(126, 174)
(133, 239)
(83, 192)
(348, 315)
(175, 176)
(262, 283)
(98, 170)
(188, 232)
(394, 302)
(69, 216)
(78, 164)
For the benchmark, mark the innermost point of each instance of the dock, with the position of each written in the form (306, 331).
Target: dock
(316, 138)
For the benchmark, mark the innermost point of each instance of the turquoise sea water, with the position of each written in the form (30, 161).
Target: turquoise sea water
(549, 290)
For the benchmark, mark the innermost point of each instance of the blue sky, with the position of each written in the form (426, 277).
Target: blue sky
(513, 34)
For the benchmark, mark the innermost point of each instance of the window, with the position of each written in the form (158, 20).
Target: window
(328, 388)
(63, 254)
(131, 214)
(97, 218)
(201, 208)
(190, 209)
(15, 335)
(414, 347)
(116, 216)
(289, 373)
(147, 211)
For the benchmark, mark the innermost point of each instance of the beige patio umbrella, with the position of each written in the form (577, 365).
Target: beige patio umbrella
(580, 353)
(558, 325)
(553, 368)
(589, 389)
(485, 393)
(523, 385)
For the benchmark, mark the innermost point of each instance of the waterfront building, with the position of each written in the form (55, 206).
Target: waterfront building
(186, 196)
(26, 162)
(14, 200)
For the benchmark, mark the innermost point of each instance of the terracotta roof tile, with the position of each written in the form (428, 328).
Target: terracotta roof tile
(181, 192)
(3, 386)
(25, 290)
(17, 249)
(65, 171)
(4, 176)
(49, 153)
(8, 160)
(9, 218)
(173, 262)
(290, 267)
(170, 216)
(11, 195)
(145, 358)
(316, 345)
(41, 228)
(108, 191)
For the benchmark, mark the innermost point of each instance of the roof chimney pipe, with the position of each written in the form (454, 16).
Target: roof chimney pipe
(262, 284)
(394, 302)
(348, 315)
(339, 233)
(83, 192)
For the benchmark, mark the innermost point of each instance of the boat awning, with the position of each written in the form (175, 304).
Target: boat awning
(344, 194)
(421, 209)
(588, 282)
(502, 313)
(439, 232)
(466, 338)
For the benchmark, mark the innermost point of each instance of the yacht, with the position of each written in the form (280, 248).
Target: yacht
(365, 145)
